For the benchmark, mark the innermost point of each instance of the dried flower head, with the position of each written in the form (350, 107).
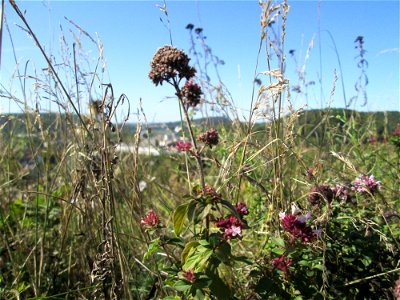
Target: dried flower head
(210, 137)
(191, 93)
(320, 193)
(151, 219)
(169, 62)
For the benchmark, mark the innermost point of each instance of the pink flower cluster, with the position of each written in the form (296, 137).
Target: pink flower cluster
(210, 137)
(209, 191)
(190, 276)
(365, 184)
(297, 227)
(232, 226)
(241, 208)
(183, 146)
(151, 219)
(282, 263)
(341, 192)
(396, 131)
(396, 289)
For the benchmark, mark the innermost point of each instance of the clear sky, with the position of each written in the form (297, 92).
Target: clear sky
(131, 32)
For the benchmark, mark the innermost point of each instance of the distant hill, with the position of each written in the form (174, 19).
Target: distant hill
(308, 119)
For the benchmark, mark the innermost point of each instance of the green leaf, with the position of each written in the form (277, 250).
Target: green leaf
(223, 252)
(179, 218)
(233, 210)
(153, 247)
(278, 242)
(197, 259)
(172, 298)
(191, 210)
(186, 250)
(182, 285)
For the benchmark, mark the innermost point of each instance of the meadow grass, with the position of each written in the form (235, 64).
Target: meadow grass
(286, 204)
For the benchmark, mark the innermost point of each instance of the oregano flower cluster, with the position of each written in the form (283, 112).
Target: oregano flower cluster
(296, 225)
(231, 225)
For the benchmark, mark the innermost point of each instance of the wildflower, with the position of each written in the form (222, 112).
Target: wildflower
(396, 131)
(210, 137)
(241, 208)
(142, 185)
(210, 192)
(395, 139)
(151, 219)
(372, 140)
(191, 93)
(169, 62)
(282, 263)
(396, 289)
(341, 192)
(320, 193)
(183, 146)
(189, 275)
(231, 226)
(365, 184)
(297, 227)
(310, 173)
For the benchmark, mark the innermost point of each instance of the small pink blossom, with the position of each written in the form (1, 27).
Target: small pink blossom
(231, 226)
(341, 192)
(189, 275)
(372, 140)
(365, 183)
(211, 192)
(183, 146)
(241, 208)
(396, 131)
(151, 219)
(396, 289)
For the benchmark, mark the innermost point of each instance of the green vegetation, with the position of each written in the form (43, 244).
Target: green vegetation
(300, 206)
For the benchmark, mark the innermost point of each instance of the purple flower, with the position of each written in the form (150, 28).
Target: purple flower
(365, 184)
(241, 208)
(189, 275)
(341, 192)
(209, 191)
(183, 146)
(282, 263)
(396, 131)
(231, 226)
(297, 227)
(151, 219)
(396, 289)
(210, 137)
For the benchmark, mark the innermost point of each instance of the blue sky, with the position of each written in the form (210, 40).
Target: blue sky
(131, 32)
